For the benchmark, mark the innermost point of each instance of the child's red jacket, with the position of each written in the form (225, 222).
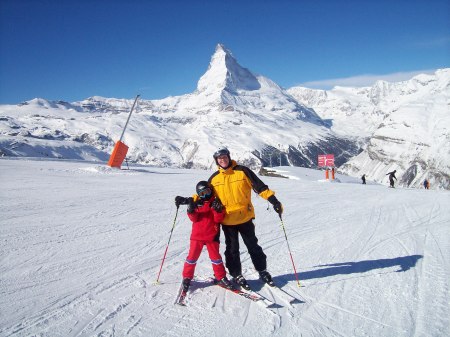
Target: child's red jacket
(205, 222)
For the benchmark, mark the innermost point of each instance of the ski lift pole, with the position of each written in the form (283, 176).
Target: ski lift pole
(129, 116)
(120, 149)
(290, 253)
(167, 247)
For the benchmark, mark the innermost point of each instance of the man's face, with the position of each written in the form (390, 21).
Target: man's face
(223, 160)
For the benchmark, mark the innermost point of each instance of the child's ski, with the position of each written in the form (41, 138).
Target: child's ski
(181, 296)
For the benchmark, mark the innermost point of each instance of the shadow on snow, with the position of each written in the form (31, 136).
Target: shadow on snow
(346, 268)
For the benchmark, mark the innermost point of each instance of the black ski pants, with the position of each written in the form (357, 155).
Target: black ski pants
(232, 255)
(391, 181)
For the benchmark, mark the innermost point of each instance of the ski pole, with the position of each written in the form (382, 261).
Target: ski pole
(292, 259)
(167, 247)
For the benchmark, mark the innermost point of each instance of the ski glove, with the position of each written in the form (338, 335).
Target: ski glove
(276, 204)
(191, 205)
(181, 201)
(217, 205)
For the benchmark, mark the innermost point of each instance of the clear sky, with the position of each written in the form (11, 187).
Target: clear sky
(73, 49)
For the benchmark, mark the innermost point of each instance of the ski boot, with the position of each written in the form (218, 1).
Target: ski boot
(186, 283)
(225, 282)
(266, 278)
(242, 282)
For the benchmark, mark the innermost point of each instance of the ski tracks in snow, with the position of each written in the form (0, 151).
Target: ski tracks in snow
(347, 294)
(435, 268)
(103, 310)
(372, 261)
(231, 313)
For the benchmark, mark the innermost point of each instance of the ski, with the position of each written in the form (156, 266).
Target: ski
(283, 294)
(267, 302)
(290, 299)
(181, 296)
(242, 293)
(251, 295)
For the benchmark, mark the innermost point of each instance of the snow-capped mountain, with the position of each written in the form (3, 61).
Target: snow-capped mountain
(403, 126)
(250, 114)
(407, 125)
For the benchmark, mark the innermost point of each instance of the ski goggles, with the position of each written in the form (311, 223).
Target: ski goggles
(204, 193)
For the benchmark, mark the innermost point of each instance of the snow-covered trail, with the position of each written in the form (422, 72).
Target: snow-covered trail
(81, 245)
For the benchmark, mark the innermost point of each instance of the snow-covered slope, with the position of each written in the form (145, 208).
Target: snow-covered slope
(349, 111)
(407, 125)
(231, 107)
(82, 244)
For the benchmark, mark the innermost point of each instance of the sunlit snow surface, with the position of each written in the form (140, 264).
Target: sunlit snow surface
(81, 245)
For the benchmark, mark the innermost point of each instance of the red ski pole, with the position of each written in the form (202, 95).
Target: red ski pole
(167, 247)
(292, 259)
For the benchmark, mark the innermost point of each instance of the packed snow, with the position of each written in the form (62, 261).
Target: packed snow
(82, 244)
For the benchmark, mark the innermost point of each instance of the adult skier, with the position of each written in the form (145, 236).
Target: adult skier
(363, 178)
(206, 213)
(233, 184)
(391, 178)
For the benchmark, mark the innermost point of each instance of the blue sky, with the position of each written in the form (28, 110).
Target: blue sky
(71, 50)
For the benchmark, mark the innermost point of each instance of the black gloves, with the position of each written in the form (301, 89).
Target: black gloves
(185, 201)
(191, 205)
(181, 201)
(276, 204)
(217, 205)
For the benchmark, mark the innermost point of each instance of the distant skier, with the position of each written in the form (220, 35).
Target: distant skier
(426, 184)
(363, 178)
(206, 213)
(391, 178)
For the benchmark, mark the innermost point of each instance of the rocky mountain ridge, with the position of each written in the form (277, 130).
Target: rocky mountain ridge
(403, 126)
(260, 122)
(253, 116)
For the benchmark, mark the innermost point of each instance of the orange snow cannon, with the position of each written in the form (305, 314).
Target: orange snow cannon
(118, 155)
(120, 149)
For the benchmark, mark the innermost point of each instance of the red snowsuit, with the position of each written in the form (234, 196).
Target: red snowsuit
(205, 231)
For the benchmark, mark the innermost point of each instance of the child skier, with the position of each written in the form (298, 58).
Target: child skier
(206, 214)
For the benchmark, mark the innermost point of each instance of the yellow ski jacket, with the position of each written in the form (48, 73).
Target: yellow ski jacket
(233, 186)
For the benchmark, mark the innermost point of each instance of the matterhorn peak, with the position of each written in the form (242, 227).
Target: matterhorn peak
(220, 48)
(225, 73)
